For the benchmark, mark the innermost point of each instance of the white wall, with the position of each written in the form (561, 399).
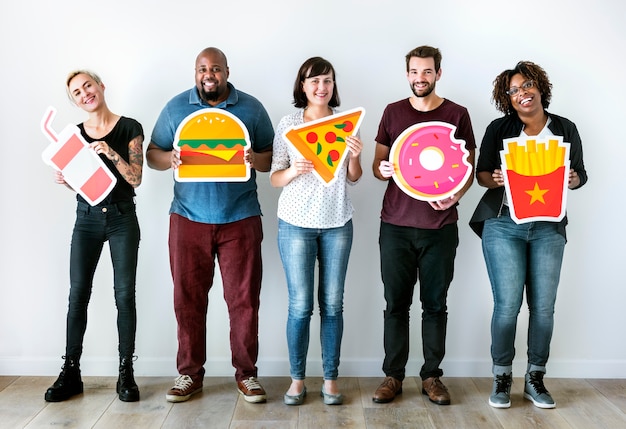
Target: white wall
(145, 52)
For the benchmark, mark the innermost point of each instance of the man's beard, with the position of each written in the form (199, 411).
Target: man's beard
(427, 91)
(210, 95)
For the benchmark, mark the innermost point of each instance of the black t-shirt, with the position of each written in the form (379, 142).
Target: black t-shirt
(122, 133)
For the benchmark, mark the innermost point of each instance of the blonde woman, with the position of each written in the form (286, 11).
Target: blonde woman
(118, 140)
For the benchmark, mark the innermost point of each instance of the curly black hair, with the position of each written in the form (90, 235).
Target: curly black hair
(530, 71)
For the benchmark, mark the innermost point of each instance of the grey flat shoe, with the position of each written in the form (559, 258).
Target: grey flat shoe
(331, 399)
(295, 399)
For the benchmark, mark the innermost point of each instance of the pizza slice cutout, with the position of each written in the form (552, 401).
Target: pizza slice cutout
(323, 141)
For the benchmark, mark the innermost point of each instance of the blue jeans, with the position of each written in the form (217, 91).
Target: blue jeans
(299, 249)
(522, 256)
(407, 254)
(118, 225)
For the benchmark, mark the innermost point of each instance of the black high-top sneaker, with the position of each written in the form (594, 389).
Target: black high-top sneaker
(127, 389)
(69, 382)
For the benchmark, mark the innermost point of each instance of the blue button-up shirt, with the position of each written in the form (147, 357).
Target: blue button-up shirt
(215, 202)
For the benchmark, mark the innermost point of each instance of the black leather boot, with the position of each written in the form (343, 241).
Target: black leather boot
(126, 387)
(69, 382)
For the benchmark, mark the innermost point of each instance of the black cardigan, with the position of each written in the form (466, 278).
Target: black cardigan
(511, 126)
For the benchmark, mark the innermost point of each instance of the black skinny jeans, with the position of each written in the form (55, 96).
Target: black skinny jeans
(117, 224)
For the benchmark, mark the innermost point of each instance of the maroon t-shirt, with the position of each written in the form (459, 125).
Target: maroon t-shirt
(399, 208)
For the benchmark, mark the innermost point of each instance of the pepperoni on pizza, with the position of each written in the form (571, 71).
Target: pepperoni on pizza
(323, 141)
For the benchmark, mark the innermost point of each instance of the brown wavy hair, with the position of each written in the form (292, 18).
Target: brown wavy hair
(424, 52)
(530, 71)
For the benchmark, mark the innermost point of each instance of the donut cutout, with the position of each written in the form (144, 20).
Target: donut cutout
(430, 163)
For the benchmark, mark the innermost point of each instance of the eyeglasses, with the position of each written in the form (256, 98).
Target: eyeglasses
(525, 86)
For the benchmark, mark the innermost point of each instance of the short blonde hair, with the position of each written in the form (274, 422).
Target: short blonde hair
(75, 73)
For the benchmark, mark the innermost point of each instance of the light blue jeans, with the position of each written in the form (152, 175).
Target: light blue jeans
(299, 249)
(518, 257)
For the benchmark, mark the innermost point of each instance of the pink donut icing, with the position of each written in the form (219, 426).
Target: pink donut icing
(430, 163)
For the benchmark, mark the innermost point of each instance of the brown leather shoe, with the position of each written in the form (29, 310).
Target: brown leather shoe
(436, 391)
(387, 391)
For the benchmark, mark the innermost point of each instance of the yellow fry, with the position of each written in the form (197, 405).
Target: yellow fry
(541, 158)
(560, 160)
(510, 157)
(521, 160)
(551, 156)
(533, 165)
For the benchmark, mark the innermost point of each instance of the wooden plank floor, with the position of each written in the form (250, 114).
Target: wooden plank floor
(581, 403)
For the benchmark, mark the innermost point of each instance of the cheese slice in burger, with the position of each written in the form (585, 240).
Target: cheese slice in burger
(212, 144)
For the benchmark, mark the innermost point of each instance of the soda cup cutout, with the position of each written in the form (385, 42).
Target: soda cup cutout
(536, 175)
(82, 167)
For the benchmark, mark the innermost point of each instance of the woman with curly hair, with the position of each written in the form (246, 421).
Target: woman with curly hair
(525, 256)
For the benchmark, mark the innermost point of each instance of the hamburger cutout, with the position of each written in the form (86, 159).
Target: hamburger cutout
(212, 144)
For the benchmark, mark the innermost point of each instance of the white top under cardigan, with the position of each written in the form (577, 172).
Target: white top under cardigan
(306, 201)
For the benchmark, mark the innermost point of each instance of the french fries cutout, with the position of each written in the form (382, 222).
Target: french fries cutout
(82, 168)
(536, 175)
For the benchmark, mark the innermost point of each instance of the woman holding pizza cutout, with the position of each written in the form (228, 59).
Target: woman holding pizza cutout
(525, 257)
(315, 224)
(118, 140)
